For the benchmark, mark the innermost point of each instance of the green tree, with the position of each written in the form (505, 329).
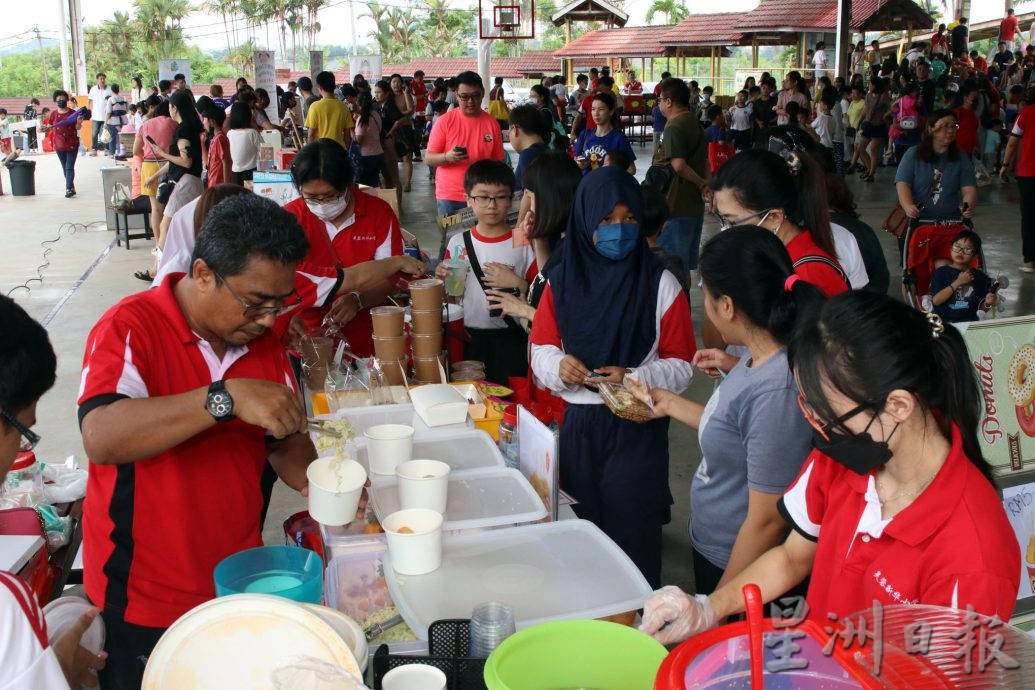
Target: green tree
(674, 10)
(21, 76)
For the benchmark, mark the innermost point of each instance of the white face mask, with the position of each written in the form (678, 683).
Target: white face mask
(328, 210)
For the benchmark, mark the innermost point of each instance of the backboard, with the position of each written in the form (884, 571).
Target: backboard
(506, 19)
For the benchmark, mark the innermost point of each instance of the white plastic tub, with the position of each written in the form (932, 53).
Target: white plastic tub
(552, 571)
(476, 499)
(464, 449)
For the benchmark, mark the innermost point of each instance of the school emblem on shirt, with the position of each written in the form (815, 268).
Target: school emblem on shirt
(488, 138)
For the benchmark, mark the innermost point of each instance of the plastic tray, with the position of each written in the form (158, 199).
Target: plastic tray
(447, 651)
(465, 449)
(490, 497)
(552, 571)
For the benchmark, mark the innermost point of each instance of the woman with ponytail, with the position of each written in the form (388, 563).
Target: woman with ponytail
(743, 473)
(896, 504)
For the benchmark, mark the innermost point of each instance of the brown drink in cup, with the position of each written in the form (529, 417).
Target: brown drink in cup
(388, 320)
(427, 320)
(316, 356)
(391, 348)
(426, 368)
(427, 293)
(427, 344)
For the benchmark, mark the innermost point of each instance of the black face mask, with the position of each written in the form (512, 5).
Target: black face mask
(858, 452)
(61, 103)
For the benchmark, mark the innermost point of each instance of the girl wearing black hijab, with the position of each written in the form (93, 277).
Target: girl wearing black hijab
(609, 308)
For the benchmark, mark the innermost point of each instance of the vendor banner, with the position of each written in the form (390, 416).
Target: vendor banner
(315, 63)
(266, 78)
(367, 65)
(537, 456)
(1002, 352)
(168, 69)
(1019, 504)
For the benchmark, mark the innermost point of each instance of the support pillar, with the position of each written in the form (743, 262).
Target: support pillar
(844, 38)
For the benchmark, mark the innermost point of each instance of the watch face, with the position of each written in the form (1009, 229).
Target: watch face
(220, 404)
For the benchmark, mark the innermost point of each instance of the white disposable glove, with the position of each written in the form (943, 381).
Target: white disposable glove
(670, 615)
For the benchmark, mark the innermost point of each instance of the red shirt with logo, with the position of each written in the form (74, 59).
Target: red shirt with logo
(953, 546)
(154, 529)
(481, 137)
(372, 232)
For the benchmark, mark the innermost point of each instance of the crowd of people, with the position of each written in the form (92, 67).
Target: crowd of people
(189, 388)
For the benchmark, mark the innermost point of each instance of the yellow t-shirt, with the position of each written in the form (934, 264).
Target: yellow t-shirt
(855, 113)
(330, 118)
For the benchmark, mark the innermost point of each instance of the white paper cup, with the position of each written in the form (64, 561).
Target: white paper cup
(423, 484)
(414, 677)
(419, 551)
(334, 492)
(388, 446)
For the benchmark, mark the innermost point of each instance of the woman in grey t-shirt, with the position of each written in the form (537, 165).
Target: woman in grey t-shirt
(752, 434)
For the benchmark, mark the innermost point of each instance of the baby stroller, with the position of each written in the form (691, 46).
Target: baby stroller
(925, 243)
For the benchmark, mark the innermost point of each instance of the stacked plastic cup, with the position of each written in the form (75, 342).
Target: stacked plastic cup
(491, 623)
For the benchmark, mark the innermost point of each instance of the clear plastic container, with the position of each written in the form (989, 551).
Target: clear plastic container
(461, 450)
(509, 437)
(550, 571)
(476, 499)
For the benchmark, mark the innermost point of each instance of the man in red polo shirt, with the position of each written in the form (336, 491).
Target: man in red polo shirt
(345, 227)
(185, 393)
(1008, 29)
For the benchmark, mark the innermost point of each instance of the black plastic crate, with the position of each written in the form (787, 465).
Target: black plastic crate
(448, 644)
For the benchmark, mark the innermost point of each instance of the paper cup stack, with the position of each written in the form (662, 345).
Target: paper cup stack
(390, 342)
(426, 298)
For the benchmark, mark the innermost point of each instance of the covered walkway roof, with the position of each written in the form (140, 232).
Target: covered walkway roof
(604, 44)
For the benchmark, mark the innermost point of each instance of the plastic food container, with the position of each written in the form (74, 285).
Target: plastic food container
(476, 499)
(347, 628)
(414, 677)
(285, 571)
(552, 571)
(575, 654)
(414, 540)
(461, 449)
(388, 445)
(334, 491)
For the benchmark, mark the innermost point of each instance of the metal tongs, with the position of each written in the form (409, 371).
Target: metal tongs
(377, 629)
(320, 427)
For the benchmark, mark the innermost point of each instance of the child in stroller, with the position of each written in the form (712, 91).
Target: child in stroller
(960, 289)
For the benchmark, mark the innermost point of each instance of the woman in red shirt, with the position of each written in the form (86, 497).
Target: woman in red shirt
(420, 97)
(964, 107)
(896, 504)
(66, 138)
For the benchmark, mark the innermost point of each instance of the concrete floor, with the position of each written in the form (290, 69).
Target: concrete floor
(87, 274)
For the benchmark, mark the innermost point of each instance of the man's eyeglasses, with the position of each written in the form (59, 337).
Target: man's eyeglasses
(725, 223)
(490, 200)
(817, 422)
(965, 251)
(257, 311)
(30, 439)
(469, 96)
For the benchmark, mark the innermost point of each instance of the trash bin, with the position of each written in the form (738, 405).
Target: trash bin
(23, 177)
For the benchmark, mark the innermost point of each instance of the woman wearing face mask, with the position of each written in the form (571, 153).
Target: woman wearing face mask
(743, 473)
(608, 309)
(65, 137)
(345, 227)
(896, 503)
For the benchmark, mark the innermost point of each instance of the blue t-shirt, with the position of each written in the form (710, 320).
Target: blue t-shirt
(525, 159)
(657, 120)
(964, 303)
(752, 436)
(594, 148)
(952, 176)
(716, 134)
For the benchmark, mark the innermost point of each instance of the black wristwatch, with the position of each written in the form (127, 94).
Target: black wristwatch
(219, 403)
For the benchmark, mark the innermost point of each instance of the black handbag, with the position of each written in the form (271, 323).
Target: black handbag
(165, 190)
(659, 178)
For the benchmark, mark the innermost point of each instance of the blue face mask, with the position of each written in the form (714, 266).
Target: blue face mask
(617, 241)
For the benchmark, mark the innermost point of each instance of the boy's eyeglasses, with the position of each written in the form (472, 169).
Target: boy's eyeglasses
(30, 439)
(966, 251)
(489, 200)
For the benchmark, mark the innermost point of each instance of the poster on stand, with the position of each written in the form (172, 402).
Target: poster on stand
(1002, 352)
(315, 64)
(266, 78)
(367, 65)
(1019, 503)
(537, 453)
(168, 69)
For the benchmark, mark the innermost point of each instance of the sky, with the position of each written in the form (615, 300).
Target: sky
(206, 30)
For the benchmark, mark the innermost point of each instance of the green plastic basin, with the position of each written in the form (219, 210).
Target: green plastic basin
(594, 655)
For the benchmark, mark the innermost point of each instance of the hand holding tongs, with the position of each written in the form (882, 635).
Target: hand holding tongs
(320, 427)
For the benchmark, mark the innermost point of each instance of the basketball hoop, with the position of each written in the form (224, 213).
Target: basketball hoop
(512, 21)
